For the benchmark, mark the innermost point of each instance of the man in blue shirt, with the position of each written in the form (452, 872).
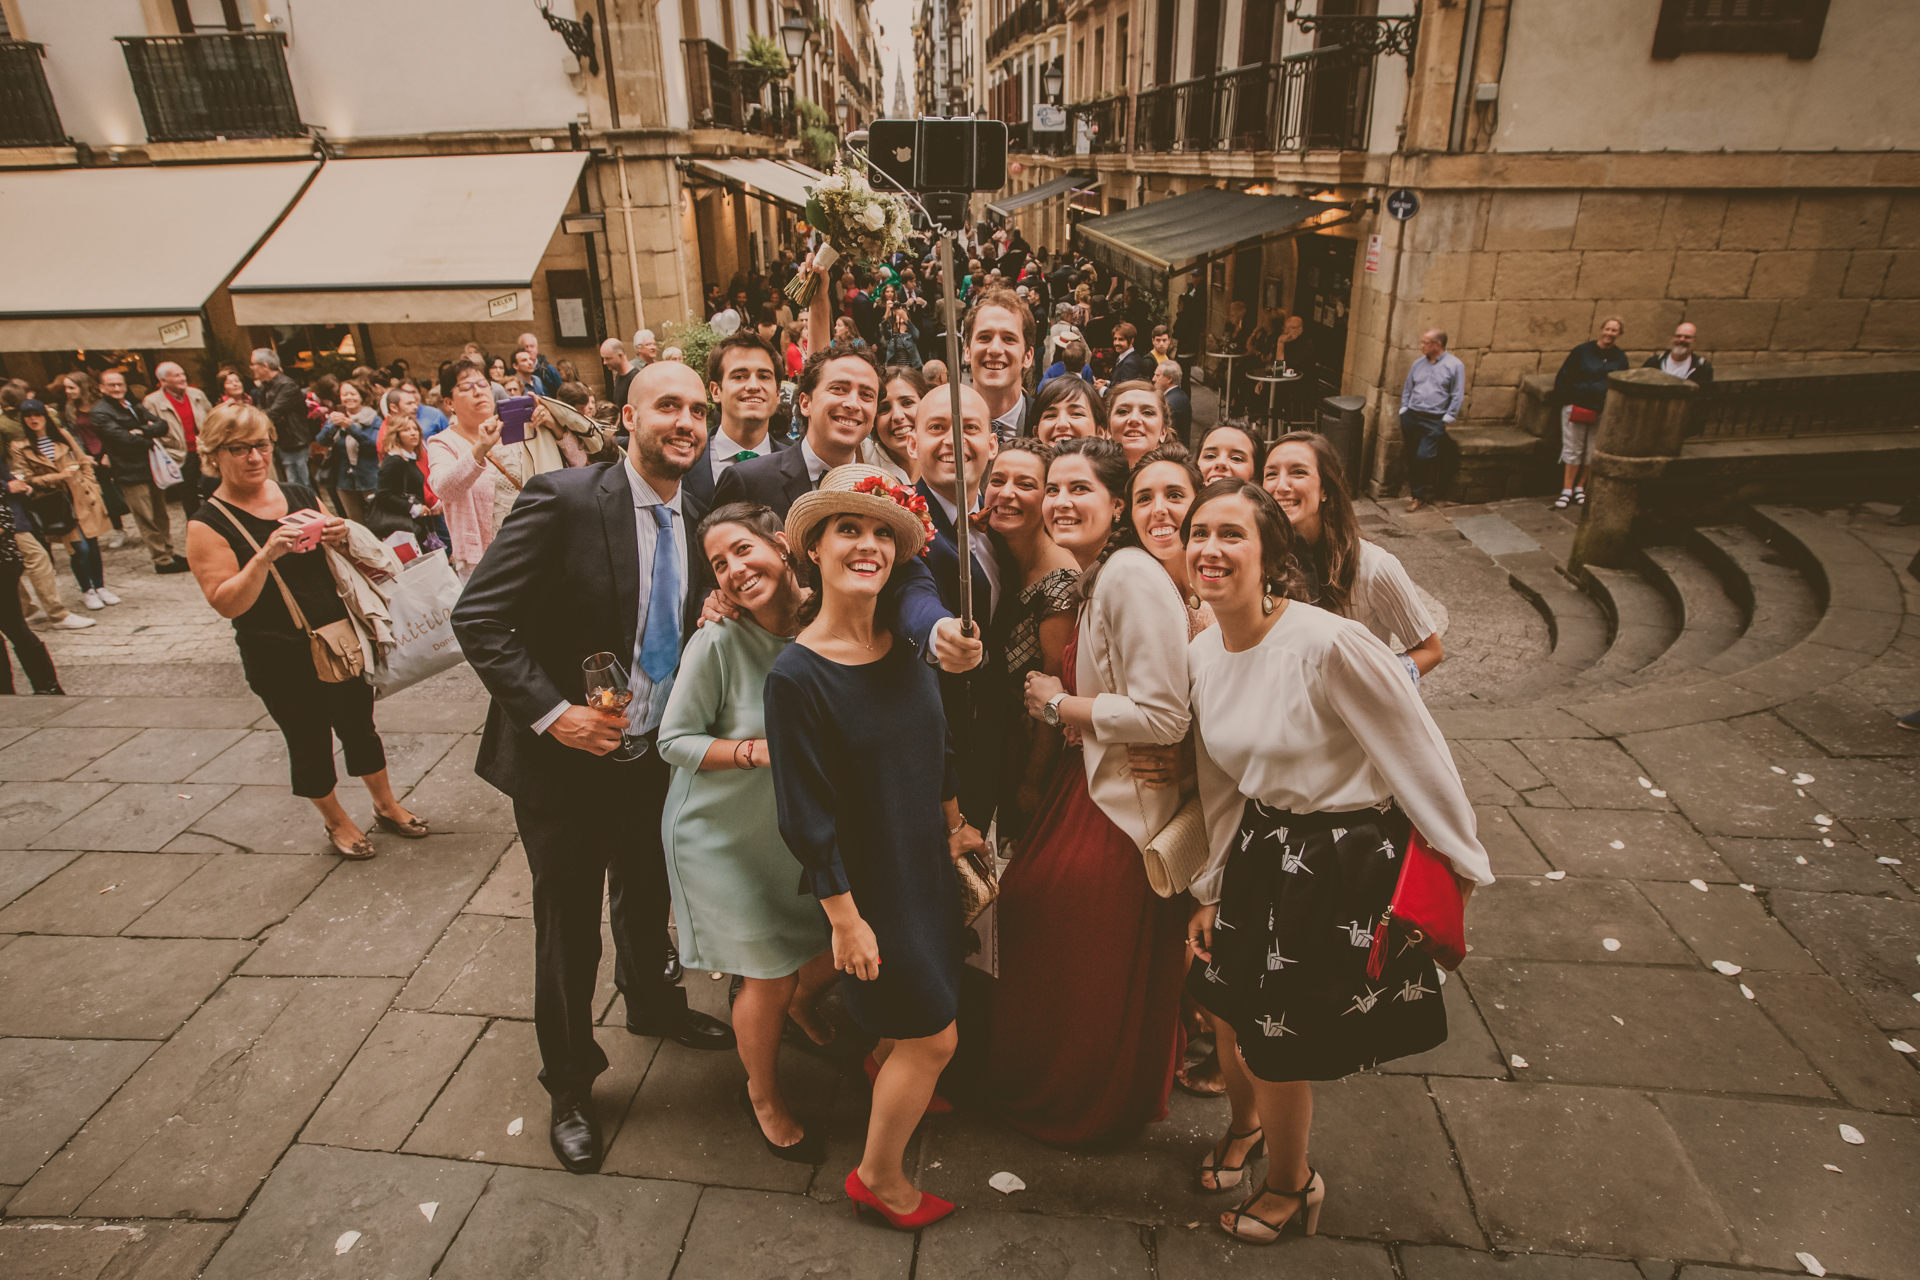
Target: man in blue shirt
(1436, 385)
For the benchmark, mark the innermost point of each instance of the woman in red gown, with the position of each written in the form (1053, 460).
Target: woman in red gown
(1086, 1027)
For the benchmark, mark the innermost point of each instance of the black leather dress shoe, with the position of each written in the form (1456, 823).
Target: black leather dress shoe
(674, 970)
(175, 565)
(575, 1136)
(689, 1027)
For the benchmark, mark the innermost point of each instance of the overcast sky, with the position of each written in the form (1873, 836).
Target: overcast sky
(896, 46)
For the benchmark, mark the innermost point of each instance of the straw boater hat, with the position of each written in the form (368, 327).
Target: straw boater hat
(866, 491)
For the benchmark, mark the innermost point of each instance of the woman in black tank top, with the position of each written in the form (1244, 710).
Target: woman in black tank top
(243, 557)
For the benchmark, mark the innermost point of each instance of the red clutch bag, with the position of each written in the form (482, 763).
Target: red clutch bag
(1427, 909)
(1578, 414)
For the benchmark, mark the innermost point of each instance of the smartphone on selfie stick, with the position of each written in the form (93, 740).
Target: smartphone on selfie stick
(937, 164)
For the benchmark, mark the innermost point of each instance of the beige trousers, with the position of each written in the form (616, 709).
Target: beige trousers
(150, 512)
(39, 572)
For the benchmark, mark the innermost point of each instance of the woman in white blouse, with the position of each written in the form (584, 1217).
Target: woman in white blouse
(1346, 574)
(1315, 756)
(1086, 1015)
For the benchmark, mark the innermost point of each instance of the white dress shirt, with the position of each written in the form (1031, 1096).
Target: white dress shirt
(982, 548)
(722, 448)
(649, 701)
(816, 465)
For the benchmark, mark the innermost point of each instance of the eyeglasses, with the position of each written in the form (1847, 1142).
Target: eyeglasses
(241, 451)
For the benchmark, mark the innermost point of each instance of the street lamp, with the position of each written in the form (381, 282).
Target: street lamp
(843, 108)
(1052, 79)
(794, 34)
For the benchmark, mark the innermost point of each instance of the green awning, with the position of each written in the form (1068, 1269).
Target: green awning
(1045, 191)
(1168, 237)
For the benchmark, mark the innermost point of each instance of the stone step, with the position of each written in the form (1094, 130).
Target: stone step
(1645, 625)
(1580, 629)
(1710, 620)
(1781, 605)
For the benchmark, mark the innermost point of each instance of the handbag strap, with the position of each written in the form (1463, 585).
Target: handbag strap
(503, 471)
(293, 608)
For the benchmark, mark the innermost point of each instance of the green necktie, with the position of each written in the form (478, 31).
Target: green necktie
(745, 455)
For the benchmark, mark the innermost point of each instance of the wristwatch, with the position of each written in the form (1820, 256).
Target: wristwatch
(1051, 712)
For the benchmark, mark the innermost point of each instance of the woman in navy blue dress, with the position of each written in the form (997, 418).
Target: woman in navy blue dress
(865, 786)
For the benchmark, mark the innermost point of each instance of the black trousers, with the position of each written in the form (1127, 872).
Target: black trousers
(311, 713)
(578, 851)
(27, 646)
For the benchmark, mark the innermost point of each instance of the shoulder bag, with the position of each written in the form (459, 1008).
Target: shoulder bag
(337, 656)
(1426, 908)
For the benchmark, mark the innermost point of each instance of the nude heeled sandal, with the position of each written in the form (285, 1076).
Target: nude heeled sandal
(1254, 1229)
(1208, 1166)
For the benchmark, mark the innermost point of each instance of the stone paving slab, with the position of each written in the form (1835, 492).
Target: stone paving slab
(1506, 762)
(159, 755)
(1428, 1263)
(392, 1081)
(1844, 724)
(29, 711)
(108, 988)
(137, 817)
(107, 1250)
(411, 755)
(409, 713)
(1469, 1049)
(454, 798)
(382, 915)
(270, 819)
(784, 1237)
(1532, 918)
(1677, 1029)
(28, 810)
(532, 1222)
(1821, 1020)
(49, 755)
(1029, 1247)
(1762, 1163)
(1867, 943)
(258, 758)
(99, 893)
(1730, 925)
(160, 713)
(208, 1114)
(509, 890)
(1507, 723)
(48, 1088)
(1860, 788)
(21, 870)
(1805, 864)
(1204, 1252)
(233, 895)
(1509, 849)
(1655, 846)
(1482, 785)
(1631, 1193)
(1592, 773)
(316, 1195)
(499, 1083)
(1724, 787)
(484, 965)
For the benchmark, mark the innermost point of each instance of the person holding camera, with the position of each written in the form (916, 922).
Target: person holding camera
(476, 492)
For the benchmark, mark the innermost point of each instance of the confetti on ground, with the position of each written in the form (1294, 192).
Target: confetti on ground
(1802, 779)
(1811, 1263)
(346, 1241)
(1643, 782)
(1801, 792)
(1617, 1018)
(1616, 844)
(1901, 1046)
(519, 1123)
(430, 1208)
(1006, 1183)
(1850, 1134)
(1658, 794)
(1822, 819)
(1777, 769)
(1519, 1061)
(1831, 1168)
(1726, 967)
(1611, 944)
(1797, 858)
(1746, 991)
(1556, 875)
(110, 888)
(1701, 885)
(1751, 888)
(1827, 841)
(1888, 862)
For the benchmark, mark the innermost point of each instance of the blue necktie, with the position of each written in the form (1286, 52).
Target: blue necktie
(660, 650)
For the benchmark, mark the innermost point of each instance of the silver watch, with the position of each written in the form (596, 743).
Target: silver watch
(1051, 712)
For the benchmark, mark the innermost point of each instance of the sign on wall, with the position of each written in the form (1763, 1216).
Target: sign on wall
(1373, 254)
(1048, 118)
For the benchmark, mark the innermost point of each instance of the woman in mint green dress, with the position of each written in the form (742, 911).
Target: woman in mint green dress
(736, 891)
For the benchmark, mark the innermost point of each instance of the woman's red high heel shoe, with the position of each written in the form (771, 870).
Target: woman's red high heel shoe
(930, 1209)
(936, 1105)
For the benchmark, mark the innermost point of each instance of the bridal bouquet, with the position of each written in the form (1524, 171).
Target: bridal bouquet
(854, 218)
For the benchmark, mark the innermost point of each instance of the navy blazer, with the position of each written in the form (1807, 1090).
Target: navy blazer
(560, 582)
(699, 481)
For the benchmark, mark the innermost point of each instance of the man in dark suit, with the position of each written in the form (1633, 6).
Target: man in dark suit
(285, 405)
(129, 431)
(743, 379)
(593, 559)
(976, 703)
(999, 333)
(838, 395)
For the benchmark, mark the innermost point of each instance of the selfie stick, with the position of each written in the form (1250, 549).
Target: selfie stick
(961, 497)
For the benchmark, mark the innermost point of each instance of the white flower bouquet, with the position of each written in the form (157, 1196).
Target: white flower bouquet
(854, 218)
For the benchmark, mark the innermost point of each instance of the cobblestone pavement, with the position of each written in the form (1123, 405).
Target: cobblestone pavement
(1677, 1050)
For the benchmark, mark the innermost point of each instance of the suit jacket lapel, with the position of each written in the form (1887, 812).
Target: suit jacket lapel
(699, 481)
(623, 555)
(948, 531)
(793, 464)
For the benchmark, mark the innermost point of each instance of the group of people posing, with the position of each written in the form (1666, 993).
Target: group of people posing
(817, 750)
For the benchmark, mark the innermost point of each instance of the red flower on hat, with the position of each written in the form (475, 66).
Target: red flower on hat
(902, 496)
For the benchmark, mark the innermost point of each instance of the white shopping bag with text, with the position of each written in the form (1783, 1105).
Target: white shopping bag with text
(422, 613)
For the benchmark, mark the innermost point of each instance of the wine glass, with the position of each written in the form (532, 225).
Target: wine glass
(607, 690)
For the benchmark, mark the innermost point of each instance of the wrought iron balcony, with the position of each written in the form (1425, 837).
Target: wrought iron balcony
(723, 93)
(1308, 102)
(229, 84)
(1028, 17)
(27, 114)
(1104, 122)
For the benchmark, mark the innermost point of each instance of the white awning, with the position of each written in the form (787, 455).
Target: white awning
(107, 258)
(407, 239)
(783, 182)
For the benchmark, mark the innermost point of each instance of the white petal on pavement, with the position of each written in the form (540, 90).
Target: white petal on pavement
(428, 1209)
(1617, 1018)
(346, 1241)
(1006, 1183)
(1746, 991)
(1827, 841)
(1616, 844)
(1811, 1263)
(1611, 944)
(1657, 794)
(1831, 1168)
(1888, 862)
(1823, 820)
(1777, 769)
(1643, 782)
(519, 1123)
(1519, 1061)
(1852, 1135)
(1556, 875)
(1901, 1046)
(1802, 779)
(1726, 967)
(1800, 859)
(1701, 885)
(1751, 888)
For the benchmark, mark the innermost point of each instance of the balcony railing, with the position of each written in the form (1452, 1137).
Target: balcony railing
(1104, 123)
(723, 93)
(231, 84)
(27, 114)
(1024, 139)
(1305, 102)
(1028, 17)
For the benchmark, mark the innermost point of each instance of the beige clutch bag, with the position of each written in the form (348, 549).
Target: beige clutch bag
(1178, 851)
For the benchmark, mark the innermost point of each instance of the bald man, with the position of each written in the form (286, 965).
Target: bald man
(1681, 360)
(184, 408)
(620, 370)
(588, 786)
